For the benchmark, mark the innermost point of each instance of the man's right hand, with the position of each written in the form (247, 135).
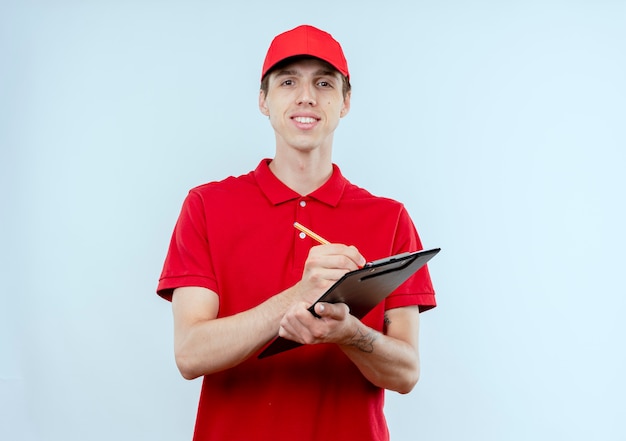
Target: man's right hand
(325, 265)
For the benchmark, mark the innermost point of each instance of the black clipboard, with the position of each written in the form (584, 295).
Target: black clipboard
(363, 289)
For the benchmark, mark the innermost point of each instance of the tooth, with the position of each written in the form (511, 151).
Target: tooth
(305, 120)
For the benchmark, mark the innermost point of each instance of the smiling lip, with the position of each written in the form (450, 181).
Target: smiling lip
(305, 121)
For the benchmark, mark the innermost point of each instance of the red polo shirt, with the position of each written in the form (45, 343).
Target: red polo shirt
(236, 238)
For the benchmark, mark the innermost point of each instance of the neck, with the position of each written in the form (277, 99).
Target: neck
(303, 172)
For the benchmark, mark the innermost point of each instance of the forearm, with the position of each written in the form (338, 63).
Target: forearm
(385, 361)
(389, 360)
(210, 346)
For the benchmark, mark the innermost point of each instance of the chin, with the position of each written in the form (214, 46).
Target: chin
(304, 145)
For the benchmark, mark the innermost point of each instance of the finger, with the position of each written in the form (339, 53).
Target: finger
(356, 256)
(288, 331)
(337, 256)
(292, 325)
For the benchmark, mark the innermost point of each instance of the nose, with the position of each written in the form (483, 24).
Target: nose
(307, 95)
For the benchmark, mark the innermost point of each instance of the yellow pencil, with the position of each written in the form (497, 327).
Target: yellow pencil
(311, 234)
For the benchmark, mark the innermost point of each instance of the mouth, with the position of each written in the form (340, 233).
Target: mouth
(304, 119)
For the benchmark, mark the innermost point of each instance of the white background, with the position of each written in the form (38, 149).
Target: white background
(501, 125)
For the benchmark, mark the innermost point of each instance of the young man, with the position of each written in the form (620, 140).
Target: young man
(238, 274)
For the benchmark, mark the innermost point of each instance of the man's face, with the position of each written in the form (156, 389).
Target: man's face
(304, 102)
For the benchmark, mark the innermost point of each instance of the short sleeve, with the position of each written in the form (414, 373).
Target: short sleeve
(417, 290)
(188, 261)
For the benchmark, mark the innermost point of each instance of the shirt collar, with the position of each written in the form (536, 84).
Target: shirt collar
(277, 192)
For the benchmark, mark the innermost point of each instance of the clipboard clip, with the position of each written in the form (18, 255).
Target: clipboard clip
(386, 259)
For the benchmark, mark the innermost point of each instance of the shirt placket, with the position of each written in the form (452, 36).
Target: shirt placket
(303, 243)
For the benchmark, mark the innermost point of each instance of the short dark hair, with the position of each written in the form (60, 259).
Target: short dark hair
(346, 87)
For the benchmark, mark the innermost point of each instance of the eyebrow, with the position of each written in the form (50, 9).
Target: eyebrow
(296, 73)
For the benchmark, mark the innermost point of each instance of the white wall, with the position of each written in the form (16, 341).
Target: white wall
(501, 125)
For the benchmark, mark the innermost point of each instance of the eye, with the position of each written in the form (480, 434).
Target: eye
(287, 83)
(324, 83)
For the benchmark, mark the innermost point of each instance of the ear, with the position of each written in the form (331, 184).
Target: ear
(346, 105)
(263, 104)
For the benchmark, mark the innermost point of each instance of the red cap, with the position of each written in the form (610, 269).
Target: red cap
(306, 40)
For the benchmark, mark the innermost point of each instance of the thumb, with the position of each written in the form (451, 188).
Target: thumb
(337, 311)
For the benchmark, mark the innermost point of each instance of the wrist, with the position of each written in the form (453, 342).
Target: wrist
(362, 337)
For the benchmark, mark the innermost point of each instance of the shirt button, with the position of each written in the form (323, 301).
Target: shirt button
(303, 204)
(302, 235)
